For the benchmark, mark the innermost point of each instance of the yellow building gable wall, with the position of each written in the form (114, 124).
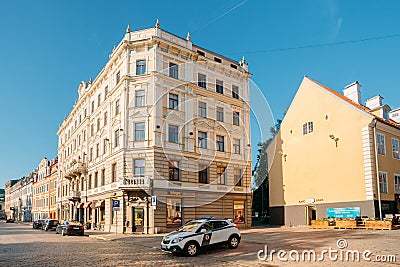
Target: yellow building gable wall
(311, 166)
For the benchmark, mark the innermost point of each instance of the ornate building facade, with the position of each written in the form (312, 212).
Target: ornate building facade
(161, 136)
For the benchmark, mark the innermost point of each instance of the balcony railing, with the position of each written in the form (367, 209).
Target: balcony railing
(135, 182)
(72, 195)
(75, 169)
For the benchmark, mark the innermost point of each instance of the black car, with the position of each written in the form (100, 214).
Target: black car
(70, 228)
(38, 224)
(50, 225)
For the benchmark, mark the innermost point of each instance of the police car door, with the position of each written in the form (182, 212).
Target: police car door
(219, 233)
(207, 234)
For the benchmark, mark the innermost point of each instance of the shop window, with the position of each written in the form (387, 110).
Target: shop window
(238, 209)
(174, 211)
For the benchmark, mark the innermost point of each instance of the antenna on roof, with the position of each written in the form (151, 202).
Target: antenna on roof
(157, 24)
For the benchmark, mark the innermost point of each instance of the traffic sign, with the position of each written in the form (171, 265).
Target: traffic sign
(115, 203)
(154, 200)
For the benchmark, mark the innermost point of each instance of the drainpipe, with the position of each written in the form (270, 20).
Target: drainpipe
(377, 171)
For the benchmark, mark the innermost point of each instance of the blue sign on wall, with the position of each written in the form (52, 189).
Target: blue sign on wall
(115, 203)
(343, 212)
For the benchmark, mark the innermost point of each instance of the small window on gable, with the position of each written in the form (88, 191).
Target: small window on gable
(201, 53)
(308, 127)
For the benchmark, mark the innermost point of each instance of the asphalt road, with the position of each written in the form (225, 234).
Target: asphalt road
(20, 245)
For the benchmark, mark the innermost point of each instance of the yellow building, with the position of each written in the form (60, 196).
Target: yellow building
(45, 190)
(325, 156)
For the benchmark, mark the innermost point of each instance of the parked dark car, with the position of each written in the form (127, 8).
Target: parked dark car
(70, 228)
(50, 225)
(38, 224)
(9, 220)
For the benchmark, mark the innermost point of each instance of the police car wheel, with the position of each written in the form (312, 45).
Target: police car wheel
(233, 241)
(191, 249)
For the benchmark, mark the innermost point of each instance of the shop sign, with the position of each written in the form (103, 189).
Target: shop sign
(350, 212)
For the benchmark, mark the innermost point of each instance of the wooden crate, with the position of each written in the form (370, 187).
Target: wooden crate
(346, 224)
(319, 224)
(381, 225)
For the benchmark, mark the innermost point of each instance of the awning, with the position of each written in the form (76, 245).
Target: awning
(101, 203)
(80, 206)
(87, 205)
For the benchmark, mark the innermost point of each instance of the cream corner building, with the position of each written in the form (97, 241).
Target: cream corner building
(164, 119)
(325, 156)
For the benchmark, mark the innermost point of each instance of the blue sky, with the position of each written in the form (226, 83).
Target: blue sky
(48, 47)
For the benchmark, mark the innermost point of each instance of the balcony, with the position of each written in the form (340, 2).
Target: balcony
(135, 182)
(72, 196)
(74, 169)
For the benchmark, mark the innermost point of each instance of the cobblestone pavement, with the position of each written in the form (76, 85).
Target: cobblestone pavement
(20, 245)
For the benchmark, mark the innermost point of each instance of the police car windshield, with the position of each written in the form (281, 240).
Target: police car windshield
(189, 227)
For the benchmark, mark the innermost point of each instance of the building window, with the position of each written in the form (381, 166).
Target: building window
(216, 59)
(98, 100)
(380, 139)
(203, 175)
(116, 138)
(174, 212)
(308, 127)
(202, 139)
(139, 98)
(237, 175)
(92, 106)
(235, 91)
(221, 174)
(220, 114)
(103, 177)
(113, 172)
(97, 150)
(117, 77)
(173, 132)
(173, 171)
(236, 146)
(202, 109)
(395, 148)
(90, 182)
(238, 210)
(141, 67)
(105, 146)
(96, 177)
(139, 131)
(98, 125)
(383, 182)
(85, 113)
(105, 118)
(397, 183)
(173, 101)
(117, 107)
(202, 80)
(220, 143)
(91, 154)
(173, 70)
(219, 87)
(139, 167)
(91, 130)
(105, 92)
(236, 118)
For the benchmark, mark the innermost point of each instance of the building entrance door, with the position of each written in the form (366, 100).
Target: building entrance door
(137, 219)
(311, 214)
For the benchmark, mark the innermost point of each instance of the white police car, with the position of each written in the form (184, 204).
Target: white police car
(200, 233)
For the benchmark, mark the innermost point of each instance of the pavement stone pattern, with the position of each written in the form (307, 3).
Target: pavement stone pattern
(20, 245)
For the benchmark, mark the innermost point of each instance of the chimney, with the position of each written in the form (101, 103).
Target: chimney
(352, 92)
(375, 102)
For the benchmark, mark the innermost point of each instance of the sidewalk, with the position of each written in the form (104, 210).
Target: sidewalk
(109, 236)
